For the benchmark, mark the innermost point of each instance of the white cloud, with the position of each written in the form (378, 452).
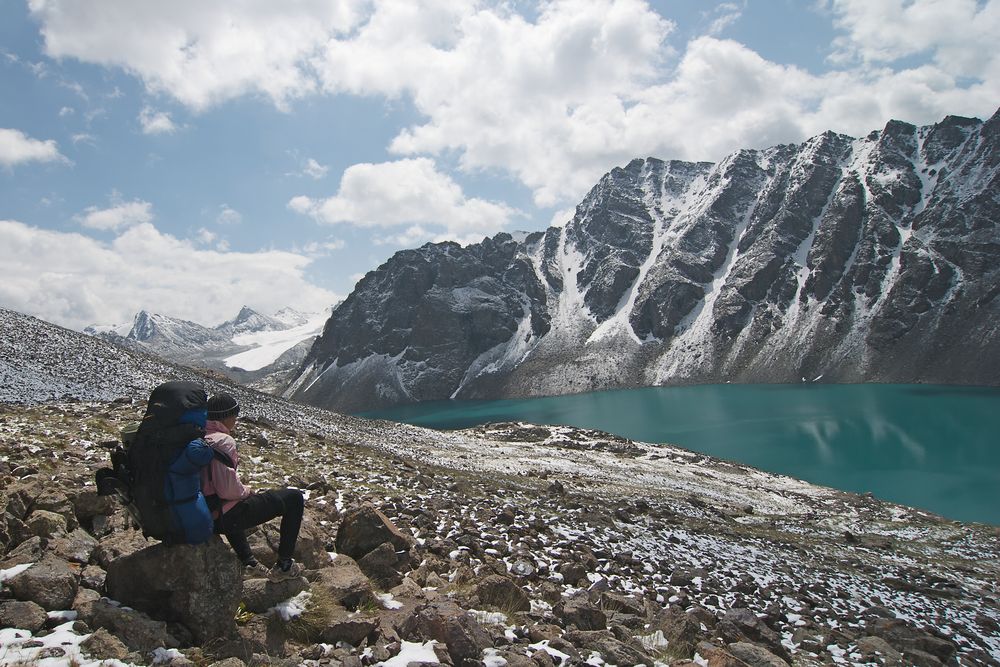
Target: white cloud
(200, 53)
(17, 148)
(228, 216)
(119, 214)
(408, 193)
(156, 122)
(75, 281)
(560, 93)
(66, 111)
(84, 138)
(205, 236)
(725, 15)
(314, 169)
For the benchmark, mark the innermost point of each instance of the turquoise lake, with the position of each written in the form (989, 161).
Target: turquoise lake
(929, 446)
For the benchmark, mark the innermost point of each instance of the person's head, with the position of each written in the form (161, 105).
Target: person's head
(223, 408)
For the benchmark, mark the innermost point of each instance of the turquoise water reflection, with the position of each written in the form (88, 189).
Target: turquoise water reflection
(934, 447)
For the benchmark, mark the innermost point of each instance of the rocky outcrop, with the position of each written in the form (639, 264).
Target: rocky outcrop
(841, 259)
(198, 586)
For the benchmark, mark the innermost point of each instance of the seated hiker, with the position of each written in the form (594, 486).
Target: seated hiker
(235, 507)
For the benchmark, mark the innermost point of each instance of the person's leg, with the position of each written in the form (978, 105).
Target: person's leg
(263, 506)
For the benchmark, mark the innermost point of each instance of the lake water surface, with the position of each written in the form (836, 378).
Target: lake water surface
(929, 446)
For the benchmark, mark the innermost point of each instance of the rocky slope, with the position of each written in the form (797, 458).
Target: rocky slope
(871, 259)
(508, 544)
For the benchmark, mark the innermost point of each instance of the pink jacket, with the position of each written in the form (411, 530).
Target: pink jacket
(223, 481)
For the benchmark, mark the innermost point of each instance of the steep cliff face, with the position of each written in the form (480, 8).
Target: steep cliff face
(872, 259)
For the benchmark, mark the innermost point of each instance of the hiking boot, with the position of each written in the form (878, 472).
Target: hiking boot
(276, 573)
(255, 571)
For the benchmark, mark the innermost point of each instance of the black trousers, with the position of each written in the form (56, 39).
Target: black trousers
(260, 508)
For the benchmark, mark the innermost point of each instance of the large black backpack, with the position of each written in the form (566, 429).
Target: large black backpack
(157, 470)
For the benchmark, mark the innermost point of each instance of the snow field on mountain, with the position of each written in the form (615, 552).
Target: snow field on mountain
(267, 346)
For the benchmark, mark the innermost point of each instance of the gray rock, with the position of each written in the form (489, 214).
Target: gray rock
(137, 630)
(364, 528)
(259, 595)
(102, 645)
(448, 623)
(756, 656)
(76, 547)
(612, 650)
(379, 565)
(347, 627)
(346, 584)
(45, 524)
(50, 583)
(24, 615)
(580, 612)
(198, 585)
(502, 593)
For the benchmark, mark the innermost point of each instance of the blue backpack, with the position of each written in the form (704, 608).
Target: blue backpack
(158, 472)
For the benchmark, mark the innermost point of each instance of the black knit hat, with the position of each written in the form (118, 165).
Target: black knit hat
(221, 406)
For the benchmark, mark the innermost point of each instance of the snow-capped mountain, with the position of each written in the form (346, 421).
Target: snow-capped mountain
(249, 348)
(846, 259)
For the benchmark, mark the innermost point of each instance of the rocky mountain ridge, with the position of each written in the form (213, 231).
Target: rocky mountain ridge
(220, 348)
(521, 544)
(846, 259)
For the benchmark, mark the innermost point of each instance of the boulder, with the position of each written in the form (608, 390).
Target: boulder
(380, 565)
(76, 547)
(905, 638)
(23, 615)
(310, 547)
(681, 630)
(579, 611)
(259, 595)
(364, 528)
(740, 624)
(137, 630)
(87, 505)
(29, 551)
(343, 626)
(502, 593)
(612, 649)
(118, 544)
(346, 583)
(877, 648)
(50, 583)
(198, 586)
(102, 645)
(456, 628)
(756, 656)
(45, 524)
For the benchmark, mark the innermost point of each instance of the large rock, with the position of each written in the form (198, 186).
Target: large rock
(579, 611)
(76, 547)
(310, 549)
(46, 524)
(612, 649)
(198, 586)
(49, 583)
(24, 615)
(102, 645)
(137, 630)
(681, 630)
(451, 625)
(364, 528)
(345, 583)
(502, 593)
(380, 565)
(756, 656)
(259, 595)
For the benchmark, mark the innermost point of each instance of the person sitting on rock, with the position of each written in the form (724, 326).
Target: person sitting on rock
(236, 508)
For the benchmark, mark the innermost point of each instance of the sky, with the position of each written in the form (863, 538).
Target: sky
(188, 158)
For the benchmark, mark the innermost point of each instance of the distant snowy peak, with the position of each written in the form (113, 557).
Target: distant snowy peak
(855, 259)
(293, 318)
(250, 321)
